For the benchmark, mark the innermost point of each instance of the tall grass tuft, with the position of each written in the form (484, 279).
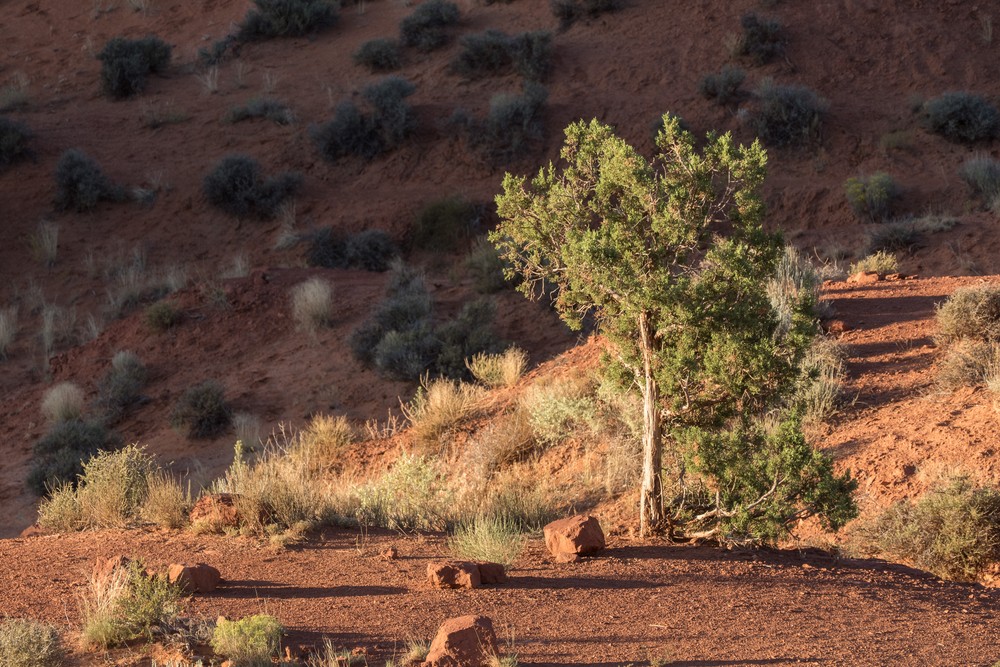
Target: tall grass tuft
(438, 406)
(488, 538)
(499, 370)
(312, 304)
(63, 402)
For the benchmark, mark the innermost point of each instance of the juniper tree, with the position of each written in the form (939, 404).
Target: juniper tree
(670, 259)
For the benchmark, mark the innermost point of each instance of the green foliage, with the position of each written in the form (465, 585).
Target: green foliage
(444, 224)
(127, 604)
(351, 132)
(379, 55)
(14, 137)
(761, 41)
(953, 530)
(235, 186)
(26, 643)
(125, 63)
(982, 173)
(494, 52)
(514, 121)
(59, 453)
(970, 312)
(287, 18)
(262, 107)
(120, 388)
(723, 87)
(787, 115)
(962, 117)
(871, 196)
(467, 334)
(411, 495)
(80, 183)
(488, 538)
(203, 410)
(248, 642)
(424, 29)
(161, 316)
(661, 247)
(487, 268)
(881, 262)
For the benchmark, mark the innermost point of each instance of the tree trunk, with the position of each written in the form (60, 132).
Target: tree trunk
(651, 497)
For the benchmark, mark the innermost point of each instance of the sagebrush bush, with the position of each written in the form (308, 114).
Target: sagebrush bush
(425, 29)
(312, 304)
(27, 643)
(494, 52)
(962, 117)
(568, 11)
(63, 402)
(352, 132)
(125, 604)
(236, 186)
(969, 363)
(760, 41)
(379, 55)
(881, 262)
(982, 173)
(371, 250)
(893, 237)
(488, 538)
(559, 408)
(120, 388)
(502, 442)
(467, 334)
(161, 316)
(203, 410)
(58, 455)
(513, 121)
(787, 115)
(487, 267)
(723, 87)
(262, 107)
(444, 224)
(249, 642)
(125, 64)
(953, 530)
(14, 138)
(970, 312)
(287, 18)
(871, 197)
(81, 184)
(412, 495)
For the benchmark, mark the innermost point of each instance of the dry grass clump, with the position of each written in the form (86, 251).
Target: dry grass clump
(821, 380)
(558, 409)
(970, 363)
(499, 370)
(248, 642)
(438, 407)
(326, 437)
(63, 402)
(413, 494)
(970, 312)
(953, 530)
(881, 262)
(124, 604)
(312, 304)
(44, 243)
(167, 502)
(794, 283)
(8, 329)
(495, 539)
(503, 441)
(27, 643)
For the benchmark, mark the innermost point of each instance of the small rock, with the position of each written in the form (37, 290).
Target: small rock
(465, 641)
(198, 578)
(492, 573)
(104, 567)
(389, 554)
(568, 539)
(34, 530)
(216, 509)
(453, 574)
(863, 277)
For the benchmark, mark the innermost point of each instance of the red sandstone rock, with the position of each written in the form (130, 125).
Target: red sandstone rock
(466, 641)
(217, 509)
(568, 539)
(492, 573)
(198, 578)
(453, 574)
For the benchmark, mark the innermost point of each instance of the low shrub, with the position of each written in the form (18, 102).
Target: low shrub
(557, 409)
(953, 530)
(406, 354)
(371, 250)
(352, 132)
(58, 455)
(444, 224)
(494, 52)
(27, 643)
(487, 538)
(821, 380)
(262, 107)
(467, 334)
(81, 184)
(487, 268)
(14, 138)
(425, 29)
(970, 312)
(723, 87)
(327, 249)
(167, 502)
(969, 363)
(793, 285)
(514, 121)
(8, 329)
(120, 388)
(502, 442)
(250, 642)
(881, 262)
(499, 370)
(406, 307)
(203, 410)
(379, 55)
(161, 316)
(63, 402)
(962, 117)
(235, 186)
(871, 196)
(312, 304)
(125, 604)
(125, 64)
(326, 438)
(982, 173)
(787, 115)
(412, 495)
(568, 11)
(287, 18)
(438, 407)
(761, 40)
(894, 237)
